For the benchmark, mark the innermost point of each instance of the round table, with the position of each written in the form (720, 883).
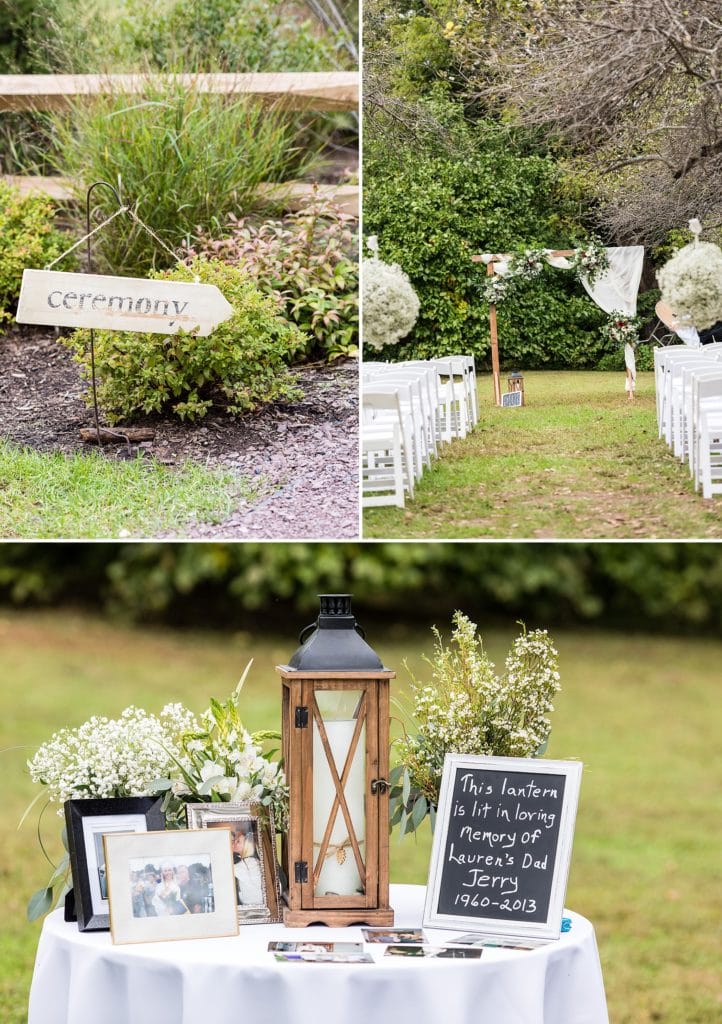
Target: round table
(82, 978)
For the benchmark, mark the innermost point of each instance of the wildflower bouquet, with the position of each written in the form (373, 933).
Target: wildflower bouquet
(466, 708)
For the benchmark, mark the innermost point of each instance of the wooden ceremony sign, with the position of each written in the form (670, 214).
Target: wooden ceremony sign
(120, 303)
(502, 846)
(491, 270)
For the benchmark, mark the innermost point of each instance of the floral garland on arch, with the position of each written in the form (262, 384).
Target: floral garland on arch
(589, 261)
(622, 329)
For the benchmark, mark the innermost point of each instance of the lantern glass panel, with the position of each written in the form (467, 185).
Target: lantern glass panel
(339, 749)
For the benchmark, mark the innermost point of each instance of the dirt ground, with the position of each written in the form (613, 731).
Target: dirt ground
(303, 455)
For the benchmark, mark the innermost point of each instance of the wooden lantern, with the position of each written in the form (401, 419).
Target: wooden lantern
(335, 728)
(515, 382)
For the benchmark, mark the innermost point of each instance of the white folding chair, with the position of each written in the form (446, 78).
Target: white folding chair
(381, 405)
(382, 466)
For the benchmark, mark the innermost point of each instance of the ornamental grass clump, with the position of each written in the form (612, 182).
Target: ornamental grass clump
(466, 708)
(390, 304)
(691, 284)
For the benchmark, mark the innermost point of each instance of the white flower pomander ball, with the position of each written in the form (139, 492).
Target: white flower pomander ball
(390, 304)
(691, 284)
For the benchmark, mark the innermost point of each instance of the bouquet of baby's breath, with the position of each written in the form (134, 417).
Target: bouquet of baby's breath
(102, 758)
(466, 708)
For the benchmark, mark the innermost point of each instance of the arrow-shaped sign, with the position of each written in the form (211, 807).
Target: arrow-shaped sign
(120, 303)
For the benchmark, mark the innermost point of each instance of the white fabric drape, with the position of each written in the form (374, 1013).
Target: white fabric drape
(617, 289)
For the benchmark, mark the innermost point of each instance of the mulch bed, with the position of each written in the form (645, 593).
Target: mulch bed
(303, 454)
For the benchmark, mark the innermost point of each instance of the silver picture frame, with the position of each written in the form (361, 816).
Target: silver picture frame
(253, 844)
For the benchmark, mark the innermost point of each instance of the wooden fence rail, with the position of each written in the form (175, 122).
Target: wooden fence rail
(309, 90)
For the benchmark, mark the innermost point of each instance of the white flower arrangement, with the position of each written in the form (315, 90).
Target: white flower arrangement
(219, 760)
(622, 328)
(466, 708)
(590, 260)
(390, 304)
(691, 284)
(527, 265)
(107, 757)
(495, 289)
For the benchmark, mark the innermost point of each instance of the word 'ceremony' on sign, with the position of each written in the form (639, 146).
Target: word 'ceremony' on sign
(63, 299)
(502, 845)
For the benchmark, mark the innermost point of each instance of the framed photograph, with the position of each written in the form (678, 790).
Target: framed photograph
(87, 821)
(254, 855)
(170, 885)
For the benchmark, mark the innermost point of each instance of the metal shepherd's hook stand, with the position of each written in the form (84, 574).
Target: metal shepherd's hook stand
(116, 195)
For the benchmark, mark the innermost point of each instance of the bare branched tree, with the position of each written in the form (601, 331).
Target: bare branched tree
(634, 87)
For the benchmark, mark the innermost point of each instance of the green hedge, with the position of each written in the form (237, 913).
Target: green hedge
(663, 586)
(432, 214)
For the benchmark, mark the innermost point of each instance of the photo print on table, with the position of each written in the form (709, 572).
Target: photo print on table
(394, 936)
(170, 885)
(254, 855)
(86, 822)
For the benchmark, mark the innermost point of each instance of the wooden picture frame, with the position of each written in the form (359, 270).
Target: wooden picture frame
(487, 843)
(253, 845)
(149, 900)
(86, 822)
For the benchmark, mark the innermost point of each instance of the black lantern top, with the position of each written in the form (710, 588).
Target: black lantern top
(335, 642)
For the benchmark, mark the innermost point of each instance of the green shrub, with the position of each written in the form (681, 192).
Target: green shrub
(663, 586)
(186, 161)
(250, 35)
(308, 263)
(29, 240)
(432, 214)
(238, 367)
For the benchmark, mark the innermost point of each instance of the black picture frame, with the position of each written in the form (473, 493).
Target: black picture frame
(85, 846)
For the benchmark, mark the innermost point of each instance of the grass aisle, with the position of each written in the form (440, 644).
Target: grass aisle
(643, 713)
(578, 461)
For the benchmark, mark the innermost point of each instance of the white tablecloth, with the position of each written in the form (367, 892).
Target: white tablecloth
(81, 978)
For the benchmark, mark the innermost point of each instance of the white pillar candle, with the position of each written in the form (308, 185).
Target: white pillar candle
(339, 874)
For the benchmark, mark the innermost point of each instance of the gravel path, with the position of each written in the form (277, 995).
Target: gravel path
(303, 456)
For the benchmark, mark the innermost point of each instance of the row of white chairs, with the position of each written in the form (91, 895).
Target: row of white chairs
(409, 411)
(688, 385)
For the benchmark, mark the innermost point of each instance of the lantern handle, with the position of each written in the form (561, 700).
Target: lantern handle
(307, 630)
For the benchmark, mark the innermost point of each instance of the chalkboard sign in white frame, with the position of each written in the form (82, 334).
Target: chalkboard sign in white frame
(493, 927)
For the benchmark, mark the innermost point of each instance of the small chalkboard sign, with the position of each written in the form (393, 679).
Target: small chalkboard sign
(511, 398)
(502, 845)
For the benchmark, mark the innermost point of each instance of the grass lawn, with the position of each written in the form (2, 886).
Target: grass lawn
(643, 714)
(578, 460)
(89, 496)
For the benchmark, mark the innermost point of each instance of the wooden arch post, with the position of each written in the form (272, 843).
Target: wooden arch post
(493, 332)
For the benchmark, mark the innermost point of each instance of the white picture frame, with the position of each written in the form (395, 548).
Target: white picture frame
(497, 768)
(148, 901)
